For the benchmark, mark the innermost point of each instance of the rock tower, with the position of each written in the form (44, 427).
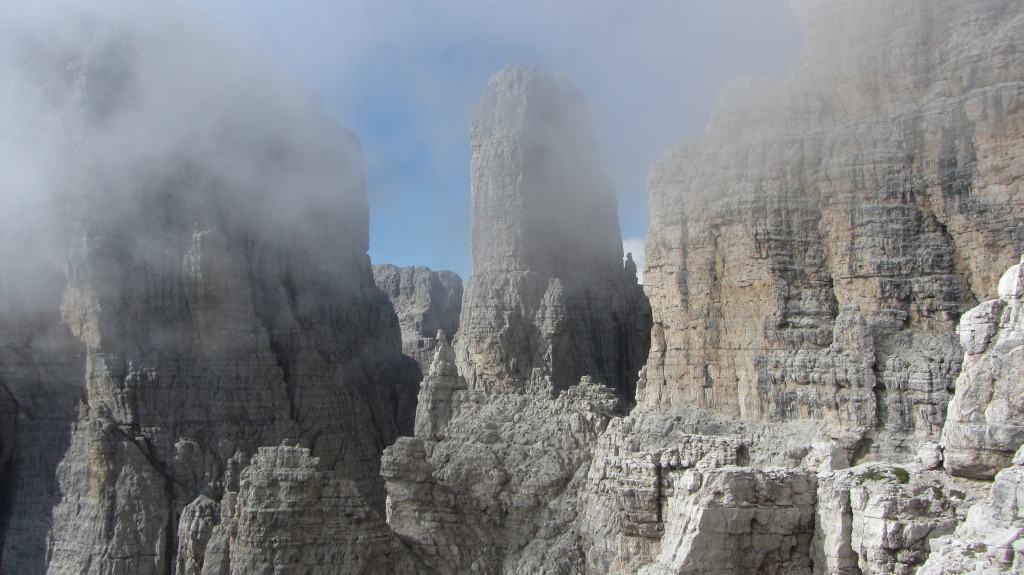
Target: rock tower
(549, 300)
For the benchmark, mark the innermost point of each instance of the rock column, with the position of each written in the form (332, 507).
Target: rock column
(549, 300)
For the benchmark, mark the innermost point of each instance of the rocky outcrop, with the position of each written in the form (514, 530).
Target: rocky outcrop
(498, 492)
(425, 301)
(739, 520)
(985, 422)
(879, 519)
(199, 287)
(879, 175)
(286, 516)
(991, 540)
(436, 399)
(549, 298)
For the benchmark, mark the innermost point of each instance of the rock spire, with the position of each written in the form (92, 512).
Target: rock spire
(549, 300)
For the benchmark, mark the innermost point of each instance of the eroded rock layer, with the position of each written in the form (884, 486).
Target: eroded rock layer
(880, 177)
(197, 286)
(284, 515)
(549, 300)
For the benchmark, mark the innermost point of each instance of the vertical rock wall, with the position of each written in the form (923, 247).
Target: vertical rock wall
(549, 300)
(877, 181)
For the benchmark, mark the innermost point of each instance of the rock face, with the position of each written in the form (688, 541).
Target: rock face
(739, 521)
(498, 493)
(549, 299)
(807, 265)
(876, 182)
(985, 423)
(286, 516)
(425, 301)
(991, 540)
(200, 289)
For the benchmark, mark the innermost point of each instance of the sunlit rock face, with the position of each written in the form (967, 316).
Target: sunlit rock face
(985, 423)
(186, 281)
(811, 257)
(549, 300)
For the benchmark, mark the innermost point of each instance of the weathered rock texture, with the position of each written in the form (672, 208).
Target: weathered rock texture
(425, 301)
(201, 288)
(434, 404)
(991, 540)
(807, 265)
(286, 516)
(739, 521)
(499, 492)
(878, 519)
(985, 423)
(811, 257)
(549, 298)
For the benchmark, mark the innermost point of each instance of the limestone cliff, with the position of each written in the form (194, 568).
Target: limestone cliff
(549, 300)
(985, 423)
(193, 285)
(807, 266)
(425, 301)
(875, 187)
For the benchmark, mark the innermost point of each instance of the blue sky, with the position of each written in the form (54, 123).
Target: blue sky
(404, 75)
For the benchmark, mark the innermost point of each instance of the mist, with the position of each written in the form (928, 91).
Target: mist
(204, 83)
(405, 76)
(151, 121)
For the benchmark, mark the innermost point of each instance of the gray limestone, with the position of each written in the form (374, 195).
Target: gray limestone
(549, 298)
(425, 301)
(985, 423)
(879, 174)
